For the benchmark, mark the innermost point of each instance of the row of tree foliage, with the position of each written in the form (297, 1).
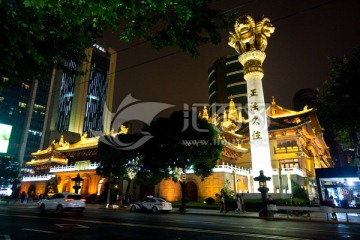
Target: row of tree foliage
(38, 35)
(179, 143)
(339, 99)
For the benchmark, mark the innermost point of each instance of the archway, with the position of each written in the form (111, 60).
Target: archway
(191, 191)
(242, 184)
(31, 191)
(67, 185)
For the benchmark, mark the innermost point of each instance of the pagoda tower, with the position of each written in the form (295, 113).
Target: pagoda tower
(249, 38)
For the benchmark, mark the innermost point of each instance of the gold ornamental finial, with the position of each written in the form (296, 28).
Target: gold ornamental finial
(233, 113)
(273, 100)
(205, 114)
(249, 35)
(249, 38)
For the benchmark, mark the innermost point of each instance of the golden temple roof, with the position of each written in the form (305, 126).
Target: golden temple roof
(82, 144)
(275, 111)
(35, 162)
(42, 152)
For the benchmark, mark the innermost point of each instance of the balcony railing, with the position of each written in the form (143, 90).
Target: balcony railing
(70, 168)
(228, 169)
(291, 171)
(38, 178)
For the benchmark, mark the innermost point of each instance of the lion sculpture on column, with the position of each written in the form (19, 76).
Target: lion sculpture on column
(243, 37)
(248, 35)
(264, 29)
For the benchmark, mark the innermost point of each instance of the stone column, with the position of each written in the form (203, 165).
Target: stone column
(249, 39)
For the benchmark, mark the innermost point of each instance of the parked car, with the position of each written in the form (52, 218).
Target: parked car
(151, 203)
(62, 202)
(5, 192)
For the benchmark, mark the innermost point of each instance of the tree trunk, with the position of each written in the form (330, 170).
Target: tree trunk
(127, 195)
(183, 197)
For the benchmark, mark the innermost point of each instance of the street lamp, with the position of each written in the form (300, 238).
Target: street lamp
(263, 189)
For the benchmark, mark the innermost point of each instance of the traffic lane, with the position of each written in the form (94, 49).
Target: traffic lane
(71, 228)
(248, 225)
(214, 223)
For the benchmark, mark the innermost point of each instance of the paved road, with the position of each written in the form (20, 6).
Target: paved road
(98, 222)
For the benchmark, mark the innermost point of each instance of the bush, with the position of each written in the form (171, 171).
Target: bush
(210, 200)
(298, 191)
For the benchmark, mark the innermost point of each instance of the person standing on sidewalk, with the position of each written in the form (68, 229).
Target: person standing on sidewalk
(332, 202)
(222, 204)
(242, 202)
(238, 203)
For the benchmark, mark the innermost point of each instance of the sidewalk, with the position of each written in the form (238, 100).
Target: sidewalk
(314, 216)
(351, 218)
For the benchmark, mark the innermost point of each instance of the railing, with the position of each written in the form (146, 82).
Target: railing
(226, 168)
(37, 178)
(70, 168)
(293, 171)
(317, 212)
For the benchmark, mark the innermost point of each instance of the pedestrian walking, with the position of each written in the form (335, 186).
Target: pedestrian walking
(120, 200)
(22, 197)
(222, 204)
(26, 198)
(238, 204)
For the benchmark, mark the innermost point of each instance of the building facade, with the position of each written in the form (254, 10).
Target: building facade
(23, 108)
(225, 80)
(79, 112)
(81, 103)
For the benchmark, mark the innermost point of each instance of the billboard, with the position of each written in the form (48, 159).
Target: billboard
(5, 132)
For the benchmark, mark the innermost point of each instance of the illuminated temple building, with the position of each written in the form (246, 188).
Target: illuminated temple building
(297, 148)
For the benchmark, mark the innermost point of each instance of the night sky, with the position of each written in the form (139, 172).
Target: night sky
(307, 34)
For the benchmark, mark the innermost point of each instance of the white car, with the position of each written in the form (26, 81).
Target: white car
(5, 192)
(62, 202)
(152, 204)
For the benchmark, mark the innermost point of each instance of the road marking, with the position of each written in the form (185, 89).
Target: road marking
(176, 228)
(71, 226)
(36, 230)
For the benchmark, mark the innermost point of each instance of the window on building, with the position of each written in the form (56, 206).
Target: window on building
(39, 107)
(286, 143)
(22, 105)
(290, 163)
(26, 86)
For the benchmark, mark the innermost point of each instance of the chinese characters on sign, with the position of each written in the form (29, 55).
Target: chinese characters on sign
(255, 120)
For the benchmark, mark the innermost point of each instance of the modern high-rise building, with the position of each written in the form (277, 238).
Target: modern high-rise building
(226, 80)
(79, 104)
(22, 108)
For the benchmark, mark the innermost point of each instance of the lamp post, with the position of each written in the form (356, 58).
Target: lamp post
(263, 189)
(235, 185)
(108, 192)
(77, 181)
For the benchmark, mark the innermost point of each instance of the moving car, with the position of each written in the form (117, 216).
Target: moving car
(62, 202)
(152, 204)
